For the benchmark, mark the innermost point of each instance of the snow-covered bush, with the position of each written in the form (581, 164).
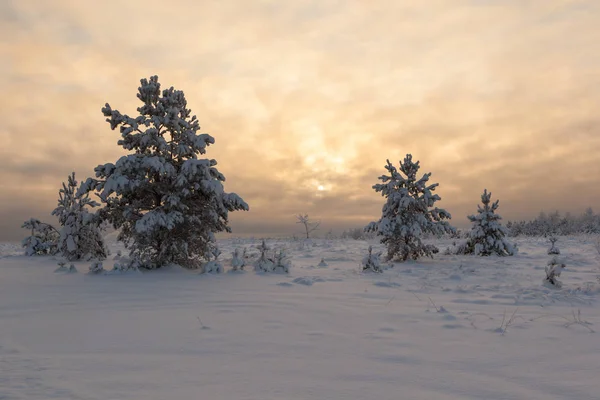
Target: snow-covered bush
(62, 266)
(126, 266)
(264, 263)
(409, 212)
(372, 262)
(213, 266)
(460, 247)
(167, 202)
(281, 262)
(553, 250)
(96, 268)
(553, 270)
(238, 262)
(488, 235)
(80, 235)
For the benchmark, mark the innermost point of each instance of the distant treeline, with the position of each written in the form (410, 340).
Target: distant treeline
(557, 224)
(357, 234)
(545, 224)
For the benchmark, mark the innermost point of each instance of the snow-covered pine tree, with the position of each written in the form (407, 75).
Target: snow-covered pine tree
(488, 236)
(409, 212)
(80, 235)
(167, 203)
(42, 240)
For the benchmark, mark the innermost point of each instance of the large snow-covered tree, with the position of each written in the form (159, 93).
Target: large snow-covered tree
(488, 236)
(409, 212)
(167, 202)
(80, 234)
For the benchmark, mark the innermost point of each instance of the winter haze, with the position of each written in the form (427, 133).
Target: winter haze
(302, 95)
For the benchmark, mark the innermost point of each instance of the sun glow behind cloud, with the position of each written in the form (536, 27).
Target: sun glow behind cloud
(298, 95)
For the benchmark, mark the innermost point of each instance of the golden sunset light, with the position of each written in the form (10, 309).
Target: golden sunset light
(306, 100)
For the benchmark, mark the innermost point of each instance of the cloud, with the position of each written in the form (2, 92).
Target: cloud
(487, 94)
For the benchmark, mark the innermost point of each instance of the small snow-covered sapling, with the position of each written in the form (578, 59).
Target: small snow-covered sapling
(96, 268)
(43, 239)
(553, 271)
(553, 250)
(263, 264)
(62, 266)
(213, 266)
(126, 265)
(281, 262)
(239, 259)
(372, 262)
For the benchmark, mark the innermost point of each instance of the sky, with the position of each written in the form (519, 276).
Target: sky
(307, 99)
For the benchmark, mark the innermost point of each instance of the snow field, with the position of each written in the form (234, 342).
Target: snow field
(455, 327)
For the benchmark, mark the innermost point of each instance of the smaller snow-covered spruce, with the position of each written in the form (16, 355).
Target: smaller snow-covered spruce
(264, 263)
(80, 234)
(167, 203)
(409, 212)
(43, 239)
(213, 266)
(553, 270)
(372, 262)
(553, 250)
(488, 236)
(238, 262)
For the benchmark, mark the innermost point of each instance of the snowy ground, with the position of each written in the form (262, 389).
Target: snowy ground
(455, 327)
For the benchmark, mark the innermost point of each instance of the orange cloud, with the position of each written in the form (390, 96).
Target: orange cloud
(495, 94)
